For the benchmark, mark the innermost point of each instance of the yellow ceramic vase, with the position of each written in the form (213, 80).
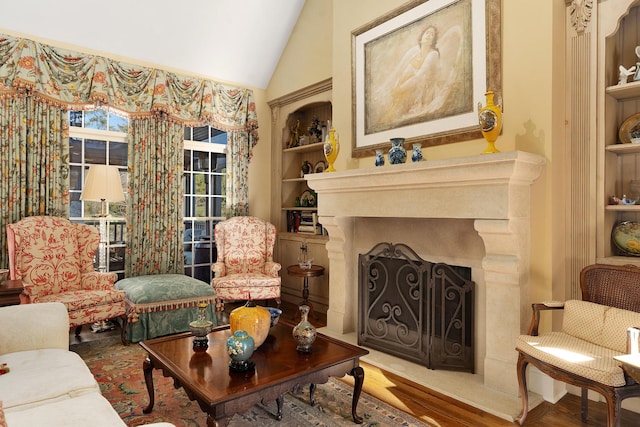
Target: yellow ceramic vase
(331, 149)
(253, 319)
(490, 118)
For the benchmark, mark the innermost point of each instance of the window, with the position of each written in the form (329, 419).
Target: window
(99, 137)
(204, 197)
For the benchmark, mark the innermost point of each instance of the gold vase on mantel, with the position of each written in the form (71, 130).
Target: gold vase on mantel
(490, 118)
(331, 149)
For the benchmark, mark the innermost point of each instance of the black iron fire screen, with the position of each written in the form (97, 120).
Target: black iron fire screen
(415, 309)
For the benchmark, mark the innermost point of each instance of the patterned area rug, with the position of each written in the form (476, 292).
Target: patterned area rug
(118, 370)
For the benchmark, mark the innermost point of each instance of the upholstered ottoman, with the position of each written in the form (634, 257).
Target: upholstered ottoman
(164, 304)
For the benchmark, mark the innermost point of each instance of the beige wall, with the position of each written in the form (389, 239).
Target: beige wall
(533, 93)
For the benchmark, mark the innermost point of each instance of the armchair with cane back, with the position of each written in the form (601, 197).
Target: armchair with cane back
(53, 258)
(595, 331)
(245, 269)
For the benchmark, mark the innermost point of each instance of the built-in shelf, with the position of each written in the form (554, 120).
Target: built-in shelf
(625, 91)
(304, 148)
(319, 237)
(299, 208)
(623, 208)
(619, 260)
(630, 148)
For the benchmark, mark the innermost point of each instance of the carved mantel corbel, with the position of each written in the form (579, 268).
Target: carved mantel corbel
(580, 13)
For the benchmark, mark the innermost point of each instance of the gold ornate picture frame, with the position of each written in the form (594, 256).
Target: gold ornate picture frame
(419, 72)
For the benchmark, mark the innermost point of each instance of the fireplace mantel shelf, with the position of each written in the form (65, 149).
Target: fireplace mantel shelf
(477, 187)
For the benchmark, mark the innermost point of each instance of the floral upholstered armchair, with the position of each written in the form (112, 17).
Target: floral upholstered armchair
(245, 269)
(54, 259)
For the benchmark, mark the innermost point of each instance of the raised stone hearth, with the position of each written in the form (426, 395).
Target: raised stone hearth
(477, 209)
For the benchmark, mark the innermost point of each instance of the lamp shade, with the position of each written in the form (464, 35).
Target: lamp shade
(103, 183)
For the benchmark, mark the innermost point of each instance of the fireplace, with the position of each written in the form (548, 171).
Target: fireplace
(415, 309)
(483, 200)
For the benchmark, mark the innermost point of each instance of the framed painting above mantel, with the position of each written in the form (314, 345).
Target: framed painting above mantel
(420, 71)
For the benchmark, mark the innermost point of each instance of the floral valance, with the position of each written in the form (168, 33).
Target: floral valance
(74, 80)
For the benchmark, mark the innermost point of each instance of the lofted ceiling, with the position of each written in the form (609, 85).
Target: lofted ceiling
(239, 41)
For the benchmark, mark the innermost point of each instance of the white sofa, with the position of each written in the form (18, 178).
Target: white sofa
(47, 384)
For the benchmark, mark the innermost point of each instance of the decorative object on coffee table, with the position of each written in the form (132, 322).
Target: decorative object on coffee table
(200, 328)
(304, 332)
(275, 315)
(253, 319)
(240, 347)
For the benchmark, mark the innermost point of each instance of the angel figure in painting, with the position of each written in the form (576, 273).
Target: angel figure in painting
(419, 83)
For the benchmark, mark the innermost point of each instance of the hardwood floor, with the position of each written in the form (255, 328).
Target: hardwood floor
(437, 409)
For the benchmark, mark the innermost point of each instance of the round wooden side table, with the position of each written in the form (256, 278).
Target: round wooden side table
(297, 271)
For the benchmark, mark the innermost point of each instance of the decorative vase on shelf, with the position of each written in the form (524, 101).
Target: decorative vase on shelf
(200, 328)
(305, 169)
(490, 118)
(397, 153)
(304, 332)
(416, 153)
(379, 158)
(253, 319)
(331, 149)
(240, 347)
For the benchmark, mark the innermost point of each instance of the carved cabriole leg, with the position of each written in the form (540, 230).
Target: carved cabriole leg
(78, 329)
(147, 368)
(312, 390)
(358, 376)
(123, 331)
(280, 404)
(222, 422)
(521, 369)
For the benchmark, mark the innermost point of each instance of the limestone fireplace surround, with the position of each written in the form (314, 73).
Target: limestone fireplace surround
(484, 197)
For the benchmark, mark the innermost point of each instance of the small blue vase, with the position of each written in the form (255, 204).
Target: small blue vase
(397, 153)
(240, 347)
(379, 158)
(416, 153)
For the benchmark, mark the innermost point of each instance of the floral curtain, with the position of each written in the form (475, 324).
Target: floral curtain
(155, 208)
(239, 152)
(34, 161)
(72, 80)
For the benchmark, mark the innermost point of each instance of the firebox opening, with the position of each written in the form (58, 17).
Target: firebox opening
(415, 309)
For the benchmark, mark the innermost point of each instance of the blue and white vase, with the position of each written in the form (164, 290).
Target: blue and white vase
(379, 158)
(397, 153)
(416, 153)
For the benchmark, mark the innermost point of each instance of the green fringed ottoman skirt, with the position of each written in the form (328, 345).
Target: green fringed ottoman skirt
(164, 304)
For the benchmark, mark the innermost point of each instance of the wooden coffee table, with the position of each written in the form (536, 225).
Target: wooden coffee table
(279, 368)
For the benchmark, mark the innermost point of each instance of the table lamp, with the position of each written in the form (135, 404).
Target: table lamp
(103, 184)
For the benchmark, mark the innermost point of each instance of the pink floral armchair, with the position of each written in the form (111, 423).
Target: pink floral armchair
(245, 269)
(54, 259)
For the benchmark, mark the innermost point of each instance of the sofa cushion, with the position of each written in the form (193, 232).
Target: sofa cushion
(3, 420)
(43, 376)
(574, 355)
(599, 324)
(90, 409)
